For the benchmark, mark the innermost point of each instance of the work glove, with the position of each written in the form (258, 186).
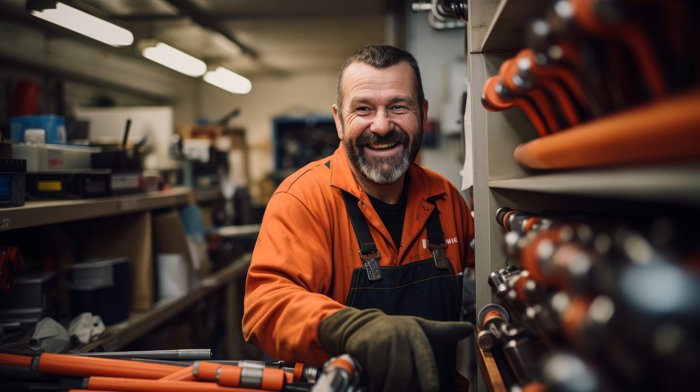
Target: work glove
(393, 351)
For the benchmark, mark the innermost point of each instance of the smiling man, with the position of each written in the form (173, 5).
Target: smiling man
(361, 252)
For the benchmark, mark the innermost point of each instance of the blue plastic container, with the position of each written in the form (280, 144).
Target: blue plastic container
(53, 125)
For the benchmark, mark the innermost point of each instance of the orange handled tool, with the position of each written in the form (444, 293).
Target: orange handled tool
(541, 97)
(560, 81)
(631, 34)
(491, 101)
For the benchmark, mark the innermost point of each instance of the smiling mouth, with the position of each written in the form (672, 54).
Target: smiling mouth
(381, 146)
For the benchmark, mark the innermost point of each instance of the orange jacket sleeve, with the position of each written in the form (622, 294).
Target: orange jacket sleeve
(289, 274)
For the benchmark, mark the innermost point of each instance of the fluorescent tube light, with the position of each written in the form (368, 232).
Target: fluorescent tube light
(177, 60)
(86, 24)
(228, 80)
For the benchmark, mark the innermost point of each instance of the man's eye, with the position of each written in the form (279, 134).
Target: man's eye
(363, 109)
(398, 108)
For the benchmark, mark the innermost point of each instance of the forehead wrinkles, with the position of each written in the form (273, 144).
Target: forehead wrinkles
(362, 81)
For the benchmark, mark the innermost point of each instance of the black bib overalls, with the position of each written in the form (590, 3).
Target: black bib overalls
(428, 288)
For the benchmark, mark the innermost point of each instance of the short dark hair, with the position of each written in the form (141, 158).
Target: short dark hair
(382, 56)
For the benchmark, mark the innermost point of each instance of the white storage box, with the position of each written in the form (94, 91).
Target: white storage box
(47, 157)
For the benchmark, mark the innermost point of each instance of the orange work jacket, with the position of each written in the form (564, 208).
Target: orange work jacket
(306, 251)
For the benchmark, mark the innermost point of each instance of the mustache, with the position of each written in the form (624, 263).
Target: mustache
(369, 137)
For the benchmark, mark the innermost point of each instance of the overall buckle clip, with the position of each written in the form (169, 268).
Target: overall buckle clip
(438, 251)
(370, 262)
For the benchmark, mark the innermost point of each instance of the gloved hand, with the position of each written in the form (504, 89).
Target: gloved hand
(393, 350)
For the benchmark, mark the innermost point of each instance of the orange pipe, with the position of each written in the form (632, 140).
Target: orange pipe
(141, 385)
(75, 365)
(232, 376)
(184, 374)
(205, 371)
(664, 130)
(15, 360)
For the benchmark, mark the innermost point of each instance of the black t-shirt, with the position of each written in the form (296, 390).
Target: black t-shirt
(392, 214)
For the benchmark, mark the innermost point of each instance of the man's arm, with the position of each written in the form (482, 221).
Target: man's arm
(287, 283)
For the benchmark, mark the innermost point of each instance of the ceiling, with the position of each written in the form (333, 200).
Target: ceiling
(252, 37)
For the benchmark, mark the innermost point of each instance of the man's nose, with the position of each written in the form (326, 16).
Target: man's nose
(381, 123)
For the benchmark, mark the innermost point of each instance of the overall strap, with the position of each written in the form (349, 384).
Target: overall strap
(368, 249)
(436, 238)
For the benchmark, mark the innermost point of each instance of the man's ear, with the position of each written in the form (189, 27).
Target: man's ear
(424, 113)
(338, 121)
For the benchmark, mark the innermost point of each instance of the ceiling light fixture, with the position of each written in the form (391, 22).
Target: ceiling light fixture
(86, 24)
(174, 59)
(228, 80)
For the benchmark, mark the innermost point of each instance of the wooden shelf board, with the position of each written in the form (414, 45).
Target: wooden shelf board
(659, 183)
(507, 30)
(208, 194)
(39, 213)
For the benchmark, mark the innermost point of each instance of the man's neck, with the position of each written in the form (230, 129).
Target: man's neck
(388, 193)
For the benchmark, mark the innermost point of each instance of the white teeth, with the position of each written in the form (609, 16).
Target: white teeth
(381, 146)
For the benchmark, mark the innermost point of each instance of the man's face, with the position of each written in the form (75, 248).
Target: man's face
(380, 123)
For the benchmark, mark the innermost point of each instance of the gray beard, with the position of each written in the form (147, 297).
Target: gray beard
(382, 170)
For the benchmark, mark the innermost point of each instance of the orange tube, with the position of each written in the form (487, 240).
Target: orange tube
(234, 376)
(268, 379)
(273, 379)
(184, 374)
(140, 385)
(75, 365)
(664, 130)
(205, 371)
(15, 360)
(230, 376)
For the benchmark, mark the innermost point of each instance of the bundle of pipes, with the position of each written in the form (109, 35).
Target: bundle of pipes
(114, 372)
